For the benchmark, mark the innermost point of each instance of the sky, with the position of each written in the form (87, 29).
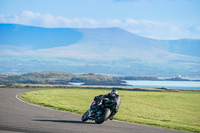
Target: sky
(158, 19)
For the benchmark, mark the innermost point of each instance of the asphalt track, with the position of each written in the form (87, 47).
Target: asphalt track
(18, 116)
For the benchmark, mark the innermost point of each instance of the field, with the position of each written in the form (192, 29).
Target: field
(174, 110)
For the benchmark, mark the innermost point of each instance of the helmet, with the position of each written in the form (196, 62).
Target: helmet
(113, 91)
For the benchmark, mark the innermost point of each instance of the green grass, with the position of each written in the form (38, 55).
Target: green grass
(174, 110)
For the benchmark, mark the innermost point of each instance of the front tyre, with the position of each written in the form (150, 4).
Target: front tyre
(85, 116)
(104, 117)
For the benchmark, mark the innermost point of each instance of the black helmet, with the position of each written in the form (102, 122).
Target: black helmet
(114, 91)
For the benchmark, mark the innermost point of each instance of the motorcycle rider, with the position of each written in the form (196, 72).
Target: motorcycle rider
(113, 97)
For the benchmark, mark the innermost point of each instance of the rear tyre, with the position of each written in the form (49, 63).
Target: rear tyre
(85, 116)
(104, 117)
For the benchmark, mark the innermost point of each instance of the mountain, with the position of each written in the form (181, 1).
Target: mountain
(98, 50)
(36, 37)
(185, 46)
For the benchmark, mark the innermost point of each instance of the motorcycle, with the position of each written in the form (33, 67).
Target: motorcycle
(100, 110)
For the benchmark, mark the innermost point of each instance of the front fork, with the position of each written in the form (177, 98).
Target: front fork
(94, 113)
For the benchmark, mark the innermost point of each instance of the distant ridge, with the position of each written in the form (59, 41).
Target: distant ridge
(37, 37)
(103, 39)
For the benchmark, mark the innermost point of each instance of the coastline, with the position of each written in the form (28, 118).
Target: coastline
(49, 86)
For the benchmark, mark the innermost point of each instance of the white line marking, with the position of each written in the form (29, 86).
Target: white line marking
(17, 96)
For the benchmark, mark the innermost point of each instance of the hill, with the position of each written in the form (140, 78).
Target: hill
(185, 46)
(37, 37)
(60, 78)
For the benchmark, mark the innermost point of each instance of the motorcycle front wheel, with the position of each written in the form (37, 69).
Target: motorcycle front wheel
(85, 116)
(103, 117)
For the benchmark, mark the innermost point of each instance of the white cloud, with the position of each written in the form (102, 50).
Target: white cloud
(150, 29)
(46, 20)
(147, 28)
(198, 27)
(130, 0)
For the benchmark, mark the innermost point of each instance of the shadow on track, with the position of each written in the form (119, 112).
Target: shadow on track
(66, 121)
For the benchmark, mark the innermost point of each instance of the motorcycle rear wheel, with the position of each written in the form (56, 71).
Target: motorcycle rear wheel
(103, 117)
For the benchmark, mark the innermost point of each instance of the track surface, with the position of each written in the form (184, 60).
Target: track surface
(17, 116)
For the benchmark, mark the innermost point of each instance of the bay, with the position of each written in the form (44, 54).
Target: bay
(192, 85)
(76, 83)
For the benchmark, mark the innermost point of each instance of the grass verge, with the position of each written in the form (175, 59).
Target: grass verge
(174, 110)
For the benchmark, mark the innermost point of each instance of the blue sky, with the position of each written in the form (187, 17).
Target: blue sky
(159, 19)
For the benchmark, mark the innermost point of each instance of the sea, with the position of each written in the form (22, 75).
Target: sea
(189, 85)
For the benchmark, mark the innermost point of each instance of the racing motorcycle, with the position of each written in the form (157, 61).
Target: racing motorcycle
(100, 110)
